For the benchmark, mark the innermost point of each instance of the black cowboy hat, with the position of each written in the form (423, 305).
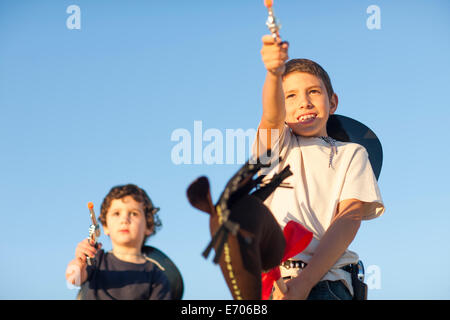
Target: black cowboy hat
(346, 129)
(170, 270)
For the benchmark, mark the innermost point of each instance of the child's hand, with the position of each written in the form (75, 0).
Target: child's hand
(297, 290)
(274, 55)
(76, 273)
(277, 294)
(84, 249)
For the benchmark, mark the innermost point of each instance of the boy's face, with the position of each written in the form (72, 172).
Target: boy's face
(126, 223)
(307, 104)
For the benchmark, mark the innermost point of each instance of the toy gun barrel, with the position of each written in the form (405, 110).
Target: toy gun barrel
(94, 231)
(272, 23)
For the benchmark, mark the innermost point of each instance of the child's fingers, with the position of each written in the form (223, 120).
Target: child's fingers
(274, 65)
(274, 52)
(285, 45)
(82, 254)
(268, 40)
(277, 294)
(84, 248)
(86, 245)
(277, 57)
(82, 259)
(88, 242)
(284, 48)
(90, 251)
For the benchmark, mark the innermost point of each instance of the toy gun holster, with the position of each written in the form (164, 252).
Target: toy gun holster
(359, 287)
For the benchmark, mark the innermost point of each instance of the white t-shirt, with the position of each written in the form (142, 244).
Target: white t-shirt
(317, 189)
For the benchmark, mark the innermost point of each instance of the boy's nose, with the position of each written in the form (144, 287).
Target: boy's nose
(125, 219)
(304, 102)
(305, 105)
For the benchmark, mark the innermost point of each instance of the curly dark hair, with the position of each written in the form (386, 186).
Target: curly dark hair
(311, 67)
(139, 195)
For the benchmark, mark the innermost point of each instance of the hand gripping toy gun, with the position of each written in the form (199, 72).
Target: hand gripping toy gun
(272, 23)
(94, 232)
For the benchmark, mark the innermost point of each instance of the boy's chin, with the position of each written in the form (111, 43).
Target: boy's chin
(303, 131)
(126, 243)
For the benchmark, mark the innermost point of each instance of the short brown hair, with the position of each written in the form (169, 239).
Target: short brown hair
(139, 195)
(311, 67)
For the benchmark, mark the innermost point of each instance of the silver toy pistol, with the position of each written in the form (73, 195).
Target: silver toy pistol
(94, 232)
(272, 23)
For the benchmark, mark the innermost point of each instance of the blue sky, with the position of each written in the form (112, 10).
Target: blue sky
(84, 110)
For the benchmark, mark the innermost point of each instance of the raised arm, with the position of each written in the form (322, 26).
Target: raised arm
(274, 56)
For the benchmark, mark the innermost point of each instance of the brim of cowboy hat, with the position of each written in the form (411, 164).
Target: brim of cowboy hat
(346, 129)
(170, 269)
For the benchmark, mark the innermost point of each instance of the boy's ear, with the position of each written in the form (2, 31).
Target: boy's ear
(148, 231)
(106, 230)
(333, 103)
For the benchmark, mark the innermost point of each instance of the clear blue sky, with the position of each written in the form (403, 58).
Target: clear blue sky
(84, 110)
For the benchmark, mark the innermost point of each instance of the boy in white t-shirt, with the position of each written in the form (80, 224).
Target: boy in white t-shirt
(333, 186)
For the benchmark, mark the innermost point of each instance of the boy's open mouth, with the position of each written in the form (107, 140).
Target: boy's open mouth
(307, 118)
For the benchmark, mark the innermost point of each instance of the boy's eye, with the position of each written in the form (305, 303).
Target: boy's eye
(134, 214)
(314, 91)
(292, 95)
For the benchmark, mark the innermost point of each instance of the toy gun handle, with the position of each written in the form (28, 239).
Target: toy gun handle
(94, 232)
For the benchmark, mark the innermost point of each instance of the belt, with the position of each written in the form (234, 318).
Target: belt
(298, 264)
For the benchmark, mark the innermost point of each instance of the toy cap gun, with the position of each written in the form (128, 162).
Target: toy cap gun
(272, 23)
(94, 232)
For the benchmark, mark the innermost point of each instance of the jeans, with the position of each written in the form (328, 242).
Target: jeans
(330, 290)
